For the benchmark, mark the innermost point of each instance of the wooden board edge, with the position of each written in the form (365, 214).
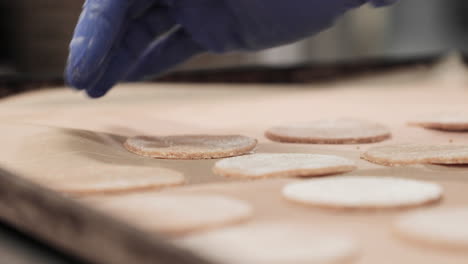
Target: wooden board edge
(80, 231)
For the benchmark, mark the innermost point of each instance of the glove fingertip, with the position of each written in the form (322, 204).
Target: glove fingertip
(73, 79)
(101, 87)
(97, 93)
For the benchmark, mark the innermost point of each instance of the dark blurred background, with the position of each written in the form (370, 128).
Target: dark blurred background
(34, 36)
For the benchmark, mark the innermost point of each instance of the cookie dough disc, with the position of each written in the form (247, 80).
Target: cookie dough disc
(190, 146)
(445, 228)
(110, 178)
(406, 154)
(272, 244)
(457, 121)
(283, 165)
(355, 192)
(175, 214)
(339, 131)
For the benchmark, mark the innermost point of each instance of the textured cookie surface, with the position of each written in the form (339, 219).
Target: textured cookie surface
(406, 154)
(272, 244)
(175, 214)
(445, 228)
(456, 121)
(263, 165)
(338, 131)
(356, 192)
(110, 178)
(190, 146)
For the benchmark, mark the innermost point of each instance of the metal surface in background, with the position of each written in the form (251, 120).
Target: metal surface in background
(35, 36)
(428, 26)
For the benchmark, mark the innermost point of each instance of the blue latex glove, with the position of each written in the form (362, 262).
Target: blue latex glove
(128, 40)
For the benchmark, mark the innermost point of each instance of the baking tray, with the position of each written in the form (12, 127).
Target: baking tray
(392, 99)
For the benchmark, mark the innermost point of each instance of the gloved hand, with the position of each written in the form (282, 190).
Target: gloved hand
(127, 40)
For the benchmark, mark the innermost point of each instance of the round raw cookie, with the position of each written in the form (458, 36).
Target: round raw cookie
(356, 192)
(270, 243)
(406, 154)
(338, 131)
(190, 146)
(263, 165)
(110, 178)
(457, 121)
(175, 214)
(444, 228)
